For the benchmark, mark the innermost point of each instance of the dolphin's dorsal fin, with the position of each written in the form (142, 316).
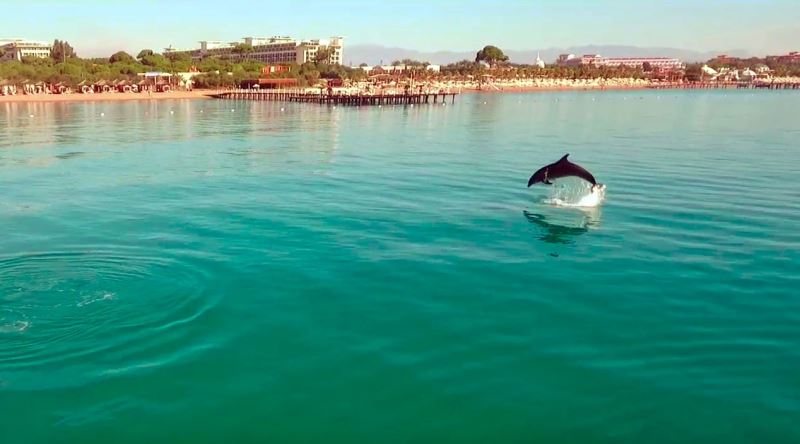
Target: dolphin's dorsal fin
(563, 158)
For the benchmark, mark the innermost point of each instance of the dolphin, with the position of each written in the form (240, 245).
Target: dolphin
(562, 168)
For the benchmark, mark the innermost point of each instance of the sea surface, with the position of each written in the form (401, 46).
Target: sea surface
(250, 272)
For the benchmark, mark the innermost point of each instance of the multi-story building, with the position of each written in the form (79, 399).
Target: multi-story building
(664, 63)
(16, 49)
(272, 50)
(792, 57)
(725, 59)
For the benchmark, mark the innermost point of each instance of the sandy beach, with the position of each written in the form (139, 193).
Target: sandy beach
(457, 86)
(463, 87)
(107, 97)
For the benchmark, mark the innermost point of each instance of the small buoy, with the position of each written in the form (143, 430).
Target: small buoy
(231, 110)
(171, 112)
(282, 109)
(484, 103)
(201, 111)
(102, 114)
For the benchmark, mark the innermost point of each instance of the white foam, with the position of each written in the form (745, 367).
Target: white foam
(577, 197)
(106, 296)
(14, 327)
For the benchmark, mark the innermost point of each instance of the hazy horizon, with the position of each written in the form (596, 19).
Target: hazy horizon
(98, 29)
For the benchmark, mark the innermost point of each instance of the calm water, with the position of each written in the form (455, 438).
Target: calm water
(202, 271)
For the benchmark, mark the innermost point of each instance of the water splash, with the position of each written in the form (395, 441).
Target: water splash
(573, 194)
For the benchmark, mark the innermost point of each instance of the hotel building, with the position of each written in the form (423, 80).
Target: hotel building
(664, 63)
(272, 50)
(791, 58)
(16, 49)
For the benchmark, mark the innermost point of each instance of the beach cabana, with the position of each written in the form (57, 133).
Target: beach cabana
(7, 88)
(156, 81)
(61, 88)
(85, 88)
(123, 86)
(101, 86)
(162, 86)
(27, 86)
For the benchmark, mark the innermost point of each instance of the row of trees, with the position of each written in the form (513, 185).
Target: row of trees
(121, 65)
(307, 74)
(509, 70)
(65, 66)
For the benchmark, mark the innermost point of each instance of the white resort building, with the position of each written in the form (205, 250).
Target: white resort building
(272, 50)
(16, 49)
(665, 63)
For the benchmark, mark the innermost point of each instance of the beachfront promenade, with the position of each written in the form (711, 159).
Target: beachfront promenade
(357, 99)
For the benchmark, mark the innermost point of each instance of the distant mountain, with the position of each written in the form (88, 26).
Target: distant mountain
(375, 54)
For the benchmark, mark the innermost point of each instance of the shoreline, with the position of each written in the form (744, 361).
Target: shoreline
(107, 97)
(543, 89)
(205, 94)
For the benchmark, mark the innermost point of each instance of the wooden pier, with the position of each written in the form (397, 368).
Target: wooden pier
(338, 99)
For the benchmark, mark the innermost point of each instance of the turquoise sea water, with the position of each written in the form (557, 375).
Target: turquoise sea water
(208, 271)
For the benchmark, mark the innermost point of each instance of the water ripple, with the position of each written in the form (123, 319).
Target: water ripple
(81, 311)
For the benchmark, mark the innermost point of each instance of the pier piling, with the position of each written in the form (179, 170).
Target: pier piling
(336, 99)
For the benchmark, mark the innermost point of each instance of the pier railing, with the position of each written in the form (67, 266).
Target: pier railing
(339, 98)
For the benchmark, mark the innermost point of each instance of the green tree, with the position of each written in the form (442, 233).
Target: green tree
(178, 57)
(156, 62)
(694, 71)
(120, 57)
(464, 67)
(144, 53)
(179, 61)
(243, 49)
(212, 64)
(491, 55)
(323, 55)
(410, 62)
(62, 51)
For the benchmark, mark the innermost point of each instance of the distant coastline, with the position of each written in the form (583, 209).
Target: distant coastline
(515, 86)
(203, 94)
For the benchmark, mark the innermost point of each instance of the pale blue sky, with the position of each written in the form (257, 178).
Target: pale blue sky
(98, 28)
